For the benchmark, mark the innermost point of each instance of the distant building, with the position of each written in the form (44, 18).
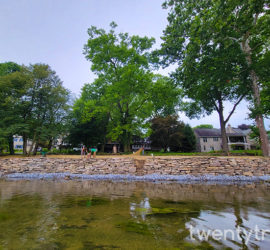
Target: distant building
(18, 142)
(210, 139)
(139, 142)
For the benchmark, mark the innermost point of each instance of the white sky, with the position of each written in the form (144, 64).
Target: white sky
(55, 31)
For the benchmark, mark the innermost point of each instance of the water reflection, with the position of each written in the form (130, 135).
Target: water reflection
(141, 209)
(135, 215)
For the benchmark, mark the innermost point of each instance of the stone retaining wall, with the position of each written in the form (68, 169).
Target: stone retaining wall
(165, 166)
(209, 166)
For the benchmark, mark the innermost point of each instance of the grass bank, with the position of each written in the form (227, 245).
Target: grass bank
(212, 153)
(76, 154)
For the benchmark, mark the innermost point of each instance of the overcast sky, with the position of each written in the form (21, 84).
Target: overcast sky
(55, 31)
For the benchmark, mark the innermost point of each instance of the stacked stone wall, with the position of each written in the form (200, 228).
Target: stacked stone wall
(165, 166)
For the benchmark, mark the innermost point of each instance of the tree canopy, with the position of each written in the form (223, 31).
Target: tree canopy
(204, 126)
(13, 87)
(34, 104)
(217, 45)
(47, 107)
(169, 133)
(125, 91)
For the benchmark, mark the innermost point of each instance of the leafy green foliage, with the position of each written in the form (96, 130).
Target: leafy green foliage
(255, 134)
(34, 104)
(47, 108)
(126, 93)
(204, 126)
(189, 140)
(168, 132)
(8, 68)
(235, 36)
(212, 67)
(13, 85)
(121, 63)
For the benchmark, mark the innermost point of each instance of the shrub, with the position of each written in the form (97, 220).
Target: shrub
(54, 151)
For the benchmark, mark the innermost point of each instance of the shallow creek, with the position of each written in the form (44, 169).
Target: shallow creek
(88, 214)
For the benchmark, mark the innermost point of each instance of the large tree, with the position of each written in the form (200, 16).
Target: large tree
(46, 108)
(34, 104)
(220, 44)
(125, 84)
(208, 71)
(168, 132)
(13, 86)
(90, 118)
(189, 140)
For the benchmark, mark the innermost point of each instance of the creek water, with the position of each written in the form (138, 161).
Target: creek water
(84, 214)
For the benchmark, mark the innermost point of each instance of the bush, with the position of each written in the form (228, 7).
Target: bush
(247, 152)
(54, 151)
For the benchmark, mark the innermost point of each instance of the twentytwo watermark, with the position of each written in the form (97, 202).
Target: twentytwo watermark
(224, 234)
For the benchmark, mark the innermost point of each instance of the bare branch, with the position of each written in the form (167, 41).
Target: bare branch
(234, 107)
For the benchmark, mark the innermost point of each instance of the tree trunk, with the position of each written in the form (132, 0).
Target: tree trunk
(50, 144)
(126, 148)
(126, 145)
(11, 144)
(256, 98)
(259, 117)
(126, 141)
(35, 149)
(102, 148)
(36, 144)
(33, 143)
(225, 147)
(263, 136)
(24, 144)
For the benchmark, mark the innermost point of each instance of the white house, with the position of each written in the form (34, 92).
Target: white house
(18, 142)
(210, 139)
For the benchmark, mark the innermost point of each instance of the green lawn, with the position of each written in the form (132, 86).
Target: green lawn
(212, 153)
(155, 153)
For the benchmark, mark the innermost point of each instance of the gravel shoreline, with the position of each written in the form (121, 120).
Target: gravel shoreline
(151, 177)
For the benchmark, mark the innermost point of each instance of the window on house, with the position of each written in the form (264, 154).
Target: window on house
(212, 148)
(204, 139)
(204, 148)
(215, 138)
(237, 139)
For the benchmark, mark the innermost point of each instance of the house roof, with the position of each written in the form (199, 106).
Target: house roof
(207, 132)
(240, 131)
(213, 132)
